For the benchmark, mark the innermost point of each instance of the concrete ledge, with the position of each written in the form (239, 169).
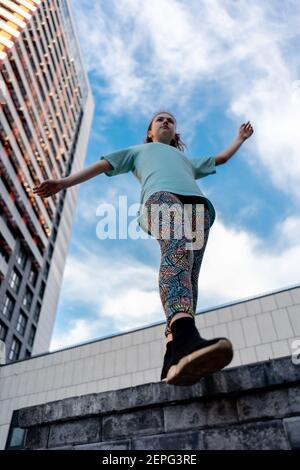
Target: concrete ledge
(255, 406)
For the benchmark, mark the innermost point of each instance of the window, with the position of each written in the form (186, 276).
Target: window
(16, 435)
(4, 252)
(8, 306)
(54, 234)
(33, 276)
(57, 218)
(31, 336)
(21, 324)
(17, 438)
(3, 331)
(15, 280)
(27, 354)
(22, 258)
(46, 270)
(50, 251)
(14, 350)
(27, 299)
(37, 312)
(42, 289)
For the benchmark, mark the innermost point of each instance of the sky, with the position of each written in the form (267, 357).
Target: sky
(214, 64)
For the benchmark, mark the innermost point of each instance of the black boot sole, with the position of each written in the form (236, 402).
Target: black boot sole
(200, 363)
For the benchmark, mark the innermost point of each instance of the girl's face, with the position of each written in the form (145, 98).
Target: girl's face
(163, 128)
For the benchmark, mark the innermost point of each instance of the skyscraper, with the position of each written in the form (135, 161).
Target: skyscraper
(45, 116)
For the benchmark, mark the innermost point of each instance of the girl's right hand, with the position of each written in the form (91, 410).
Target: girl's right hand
(48, 188)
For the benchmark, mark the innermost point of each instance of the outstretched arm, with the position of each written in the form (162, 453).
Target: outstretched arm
(52, 186)
(244, 132)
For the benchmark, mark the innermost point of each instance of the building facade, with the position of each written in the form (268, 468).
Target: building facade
(45, 117)
(260, 328)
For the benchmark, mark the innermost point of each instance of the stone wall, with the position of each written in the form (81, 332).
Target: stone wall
(256, 406)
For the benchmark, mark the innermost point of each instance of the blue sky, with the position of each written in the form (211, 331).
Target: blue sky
(214, 64)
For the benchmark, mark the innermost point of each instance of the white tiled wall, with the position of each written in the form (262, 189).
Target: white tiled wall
(259, 328)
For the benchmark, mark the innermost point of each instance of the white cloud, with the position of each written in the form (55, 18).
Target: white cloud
(286, 233)
(147, 62)
(249, 209)
(88, 203)
(239, 264)
(78, 331)
(120, 290)
(134, 307)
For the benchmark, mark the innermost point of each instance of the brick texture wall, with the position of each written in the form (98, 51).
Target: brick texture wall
(256, 406)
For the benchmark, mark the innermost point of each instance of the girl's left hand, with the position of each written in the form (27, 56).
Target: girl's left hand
(245, 131)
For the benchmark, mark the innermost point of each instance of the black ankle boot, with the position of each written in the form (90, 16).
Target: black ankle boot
(168, 360)
(186, 337)
(193, 356)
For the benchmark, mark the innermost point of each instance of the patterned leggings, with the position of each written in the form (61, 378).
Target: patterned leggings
(180, 266)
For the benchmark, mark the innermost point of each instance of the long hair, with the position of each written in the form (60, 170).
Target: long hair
(176, 142)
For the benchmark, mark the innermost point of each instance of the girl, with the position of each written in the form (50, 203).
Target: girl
(168, 180)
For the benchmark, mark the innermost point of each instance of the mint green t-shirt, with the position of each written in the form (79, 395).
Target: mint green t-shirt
(161, 167)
